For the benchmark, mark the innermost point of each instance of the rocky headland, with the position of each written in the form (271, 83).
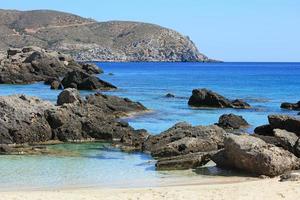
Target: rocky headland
(86, 39)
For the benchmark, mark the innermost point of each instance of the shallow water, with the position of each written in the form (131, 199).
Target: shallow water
(263, 85)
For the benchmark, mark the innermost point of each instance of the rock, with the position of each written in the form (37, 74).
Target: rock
(231, 121)
(56, 85)
(183, 138)
(83, 81)
(115, 105)
(23, 121)
(5, 149)
(110, 74)
(69, 95)
(169, 95)
(291, 106)
(133, 141)
(255, 156)
(266, 130)
(290, 176)
(91, 68)
(182, 162)
(285, 122)
(240, 104)
(12, 52)
(207, 98)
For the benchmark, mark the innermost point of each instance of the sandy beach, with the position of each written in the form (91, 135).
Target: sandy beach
(259, 189)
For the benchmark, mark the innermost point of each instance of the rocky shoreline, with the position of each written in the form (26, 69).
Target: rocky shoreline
(273, 150)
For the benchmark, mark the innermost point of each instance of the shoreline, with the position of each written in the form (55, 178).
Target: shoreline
(258, 189)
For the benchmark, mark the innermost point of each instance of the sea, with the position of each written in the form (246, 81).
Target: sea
(263, 85)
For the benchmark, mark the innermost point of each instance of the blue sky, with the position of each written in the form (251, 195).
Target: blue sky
(230, 30)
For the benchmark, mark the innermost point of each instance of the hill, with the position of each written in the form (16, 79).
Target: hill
(87, 39)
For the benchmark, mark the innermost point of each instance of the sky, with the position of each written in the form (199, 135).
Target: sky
(228, 30)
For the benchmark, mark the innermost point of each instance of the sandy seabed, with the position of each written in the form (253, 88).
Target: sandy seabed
(255, 189)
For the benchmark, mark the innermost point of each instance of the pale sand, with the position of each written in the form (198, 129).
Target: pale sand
(258, 189)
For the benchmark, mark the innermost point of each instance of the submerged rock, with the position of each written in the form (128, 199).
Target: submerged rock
(255, 156)
(232, 121)
(170, 95)
(207, 98)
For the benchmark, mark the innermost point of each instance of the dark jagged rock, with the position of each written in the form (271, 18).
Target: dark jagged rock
(116, 105)
(182, 162)
(32, 64)
(133, 141)
(255, 156)
(291, 106)
(231, 121)
(84, 81)
(207, 98)
(183, 138)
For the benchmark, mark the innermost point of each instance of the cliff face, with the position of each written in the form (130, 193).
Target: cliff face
(87, 39)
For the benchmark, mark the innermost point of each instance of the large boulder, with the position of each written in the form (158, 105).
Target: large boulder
(209, 99)
(22, 120)
(83, 81)
(184, 138)
(232, 121)
(255, 156)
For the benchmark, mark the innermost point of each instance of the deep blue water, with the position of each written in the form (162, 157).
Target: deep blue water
(263, 85)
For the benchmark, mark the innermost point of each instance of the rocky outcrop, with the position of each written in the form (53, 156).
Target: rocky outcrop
(232, 121)
(290, 176)
(83, 81)
(89, 40)
(255, 156)
(291, 106)
(32, 64)
(31, 120)
(209, 99)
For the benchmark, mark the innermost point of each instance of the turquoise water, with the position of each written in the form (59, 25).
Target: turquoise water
(263, 85)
